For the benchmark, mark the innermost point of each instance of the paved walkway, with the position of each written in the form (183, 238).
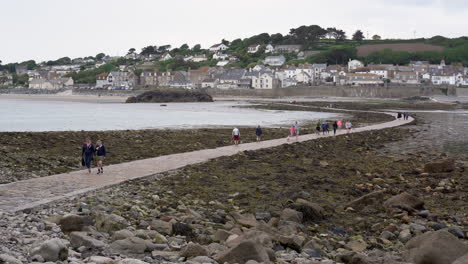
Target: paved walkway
(30, 193)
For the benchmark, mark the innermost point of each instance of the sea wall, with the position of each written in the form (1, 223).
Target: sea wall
(338, 91)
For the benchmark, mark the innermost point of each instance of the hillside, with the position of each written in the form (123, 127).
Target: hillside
(366, 50)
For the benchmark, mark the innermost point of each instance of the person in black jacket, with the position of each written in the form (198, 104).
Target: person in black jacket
(259, 133)
(87, 153)
(100, 155)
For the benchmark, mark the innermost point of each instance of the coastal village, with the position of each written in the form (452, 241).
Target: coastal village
(272, 72)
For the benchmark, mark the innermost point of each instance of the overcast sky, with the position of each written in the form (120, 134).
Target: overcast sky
(50, 29)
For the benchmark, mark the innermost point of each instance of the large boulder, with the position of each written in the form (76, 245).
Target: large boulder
(52, 250)
(7, 259)
(311, 212)
(193, 250)
(130, 261)
(161, 226)
(170, 95)
(81, 239)
(99, 260)
(247, 220)
(404, 201)
(366, 200)
(70, 223)
(132, 245)
(291, 215)
(122, 234)
(243, 252)
(461, 260)
(110, 223)
(447, 165)
(439, 247)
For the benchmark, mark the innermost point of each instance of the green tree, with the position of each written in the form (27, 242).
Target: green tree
(131, 51)
(184, 47)
(306, 34)
(358, 35)
(376, 37)
(99, 56)
(196, 48)
(149, 50)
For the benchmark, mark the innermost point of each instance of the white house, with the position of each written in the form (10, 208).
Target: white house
(275, 60)
(220, 56)
(354, 64)
(222, 63)
(166, 57)
(303, 77)
(51, 84)
(381, 72)
(406, 77)
(253, 48)
(265, 81)
(444, 79)
(363, 79)
(199, 58)
(462, 80)
(218, 47)
(269, 48)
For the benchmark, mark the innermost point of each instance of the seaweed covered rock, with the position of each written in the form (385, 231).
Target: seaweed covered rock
(171, 95)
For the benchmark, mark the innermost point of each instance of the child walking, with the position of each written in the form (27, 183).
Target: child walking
(100, 155)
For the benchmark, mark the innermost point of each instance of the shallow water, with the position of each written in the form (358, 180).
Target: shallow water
(444, 131)
(34, 115)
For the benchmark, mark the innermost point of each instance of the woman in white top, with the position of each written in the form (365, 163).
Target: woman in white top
(236, 135)
(348, 126)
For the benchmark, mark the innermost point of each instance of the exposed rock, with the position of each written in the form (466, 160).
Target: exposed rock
(203, 260)
(456, 232)
(291, 215)
(311, 212)
(110, 222)
(447, 165)
(245, 220)
(356, 245)
(193, 250)
(183, 229)
(81, 239)
(132, 245)
(130, 261)
(461, 260)
(122, 234)
(405, 235)
(439, 247)
(6, 259)
(99, 260)
(366, 200)
(221, 235)
(162, 227)
(404, 201)
(52, 250)
(170, 95)
(243, 252)
(70, 223)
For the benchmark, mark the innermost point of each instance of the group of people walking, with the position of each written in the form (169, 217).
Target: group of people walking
(403, 115)
(89, 152)
(294, 130)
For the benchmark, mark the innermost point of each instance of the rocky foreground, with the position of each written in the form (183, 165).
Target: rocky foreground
(334, 200)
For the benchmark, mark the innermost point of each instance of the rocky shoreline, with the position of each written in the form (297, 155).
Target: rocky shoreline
(339, 201)
(350, 199)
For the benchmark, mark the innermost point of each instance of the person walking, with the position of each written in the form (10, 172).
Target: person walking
(335, 127)
(348, 126)
(100, 155)
(297, 127)
(324, 127)
(236, 135)
(399, 115)
(340, 124)
(327, 127)
(87, 153)
(291, 132)
(259, 133)
(317, 127)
